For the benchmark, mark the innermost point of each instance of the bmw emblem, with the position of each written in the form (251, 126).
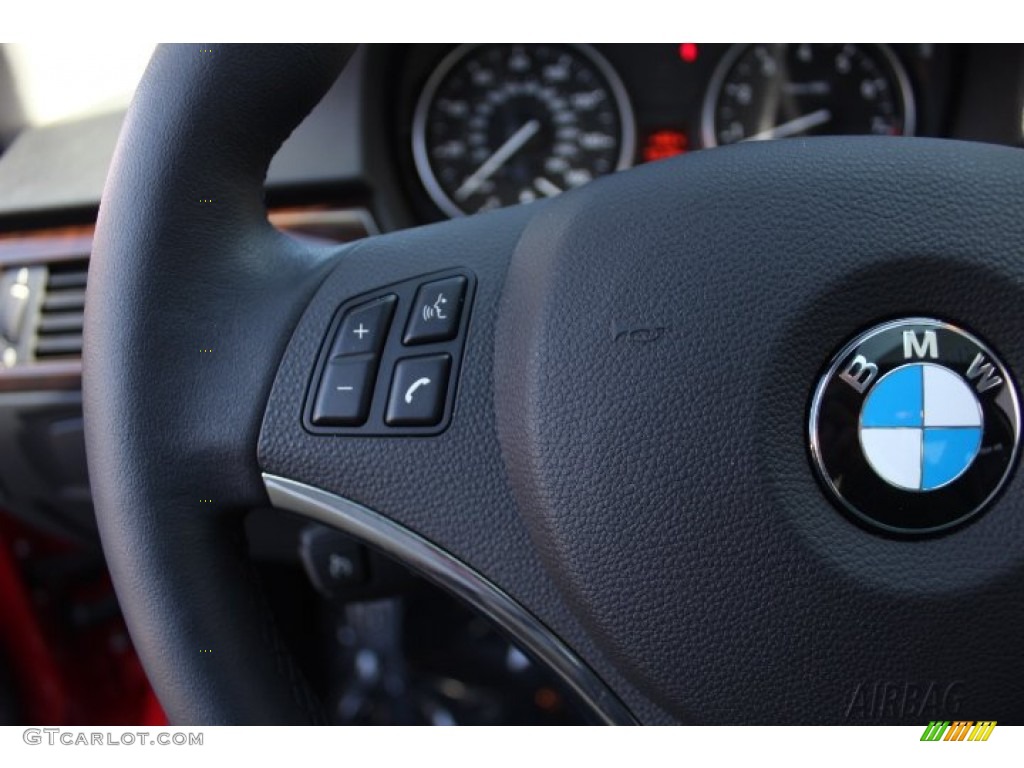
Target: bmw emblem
(914, 427)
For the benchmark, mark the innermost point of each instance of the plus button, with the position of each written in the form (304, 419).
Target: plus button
(364, 328)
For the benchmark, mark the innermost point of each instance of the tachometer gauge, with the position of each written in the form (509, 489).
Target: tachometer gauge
(503, 124)
(774, 91)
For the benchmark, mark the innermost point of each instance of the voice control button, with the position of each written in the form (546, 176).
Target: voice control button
(436, 311)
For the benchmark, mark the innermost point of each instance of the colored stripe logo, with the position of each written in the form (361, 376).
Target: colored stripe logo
(959, 730)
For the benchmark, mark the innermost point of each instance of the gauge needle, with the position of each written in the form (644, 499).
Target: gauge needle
(549, 188)
(501, 155)
(793, 127)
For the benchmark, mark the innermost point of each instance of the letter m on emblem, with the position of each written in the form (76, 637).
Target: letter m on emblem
(926, 346)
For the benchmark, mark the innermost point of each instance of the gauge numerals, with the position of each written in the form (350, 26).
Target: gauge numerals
(775, 91)
(498, 125)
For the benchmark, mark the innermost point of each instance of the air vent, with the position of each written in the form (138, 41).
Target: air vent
(59, 330)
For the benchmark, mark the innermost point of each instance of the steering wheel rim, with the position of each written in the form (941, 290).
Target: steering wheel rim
(581, 506)
(150, 556)
(181, 642)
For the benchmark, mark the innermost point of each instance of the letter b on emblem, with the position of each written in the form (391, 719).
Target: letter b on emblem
(859, 373)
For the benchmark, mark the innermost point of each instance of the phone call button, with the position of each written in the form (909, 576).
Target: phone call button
(418, 391)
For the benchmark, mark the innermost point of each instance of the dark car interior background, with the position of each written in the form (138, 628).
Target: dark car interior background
(408, 135)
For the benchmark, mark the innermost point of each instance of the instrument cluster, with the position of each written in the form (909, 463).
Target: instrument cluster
(484, 126)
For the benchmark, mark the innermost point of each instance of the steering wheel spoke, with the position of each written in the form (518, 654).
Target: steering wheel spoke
(428, 488)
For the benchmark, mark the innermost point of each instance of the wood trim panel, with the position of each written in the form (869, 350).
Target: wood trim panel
(60, 244)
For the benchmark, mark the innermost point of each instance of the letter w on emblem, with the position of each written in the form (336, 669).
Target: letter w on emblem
(985, 373)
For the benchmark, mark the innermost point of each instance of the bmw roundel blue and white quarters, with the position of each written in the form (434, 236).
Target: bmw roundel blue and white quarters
(920, 427)
(914, 428)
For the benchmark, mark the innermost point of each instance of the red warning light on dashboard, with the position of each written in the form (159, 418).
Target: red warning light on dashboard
(663, 144)
(688, 52)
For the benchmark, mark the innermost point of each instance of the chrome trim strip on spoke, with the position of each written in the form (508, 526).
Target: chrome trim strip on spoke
(433, 563)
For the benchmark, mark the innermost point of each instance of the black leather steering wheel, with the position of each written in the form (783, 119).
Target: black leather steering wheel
(619, 474)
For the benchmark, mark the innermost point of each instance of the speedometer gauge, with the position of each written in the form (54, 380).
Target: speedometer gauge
(503, 124)
(774, 91)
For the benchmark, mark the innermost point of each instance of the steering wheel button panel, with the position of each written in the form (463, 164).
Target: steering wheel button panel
(368, 335)
(418, 390)
(345, 389)
(365, 328)
(435, 315)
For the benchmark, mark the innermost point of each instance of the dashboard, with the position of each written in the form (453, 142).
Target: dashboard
(412, 134)
(377, 140)
(476, 127)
